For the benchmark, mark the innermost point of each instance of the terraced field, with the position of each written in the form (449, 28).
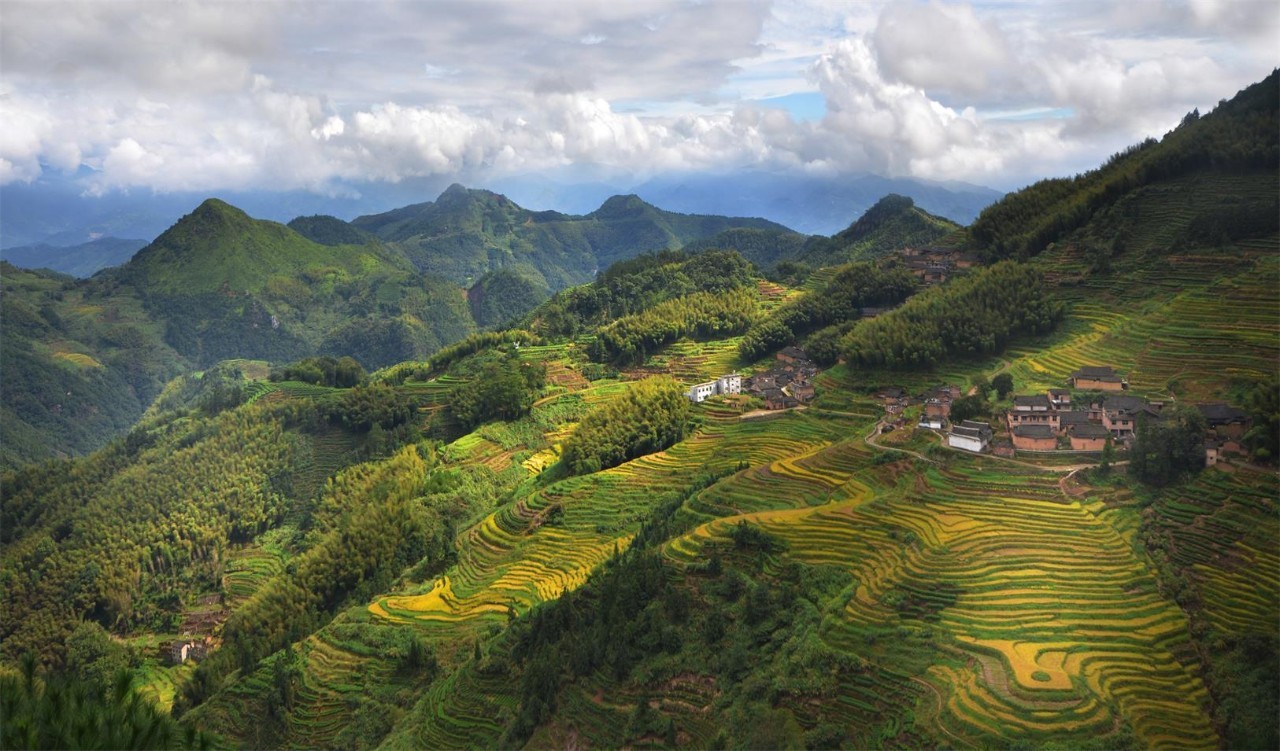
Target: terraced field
(1052, 628)
(548, 542)
(1210, 332)
(1221, 532)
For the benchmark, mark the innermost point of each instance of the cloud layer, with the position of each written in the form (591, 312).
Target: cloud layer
(320, 96)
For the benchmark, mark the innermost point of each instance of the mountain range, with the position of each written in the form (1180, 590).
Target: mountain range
(536, 538)
(219, 285)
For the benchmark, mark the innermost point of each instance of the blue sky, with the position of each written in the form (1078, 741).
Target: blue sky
(320, 96)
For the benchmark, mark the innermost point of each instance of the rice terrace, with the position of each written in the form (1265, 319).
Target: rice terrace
(732, 422)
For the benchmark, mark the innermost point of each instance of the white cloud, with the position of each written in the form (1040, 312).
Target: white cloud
(202, 96)
(940, 46)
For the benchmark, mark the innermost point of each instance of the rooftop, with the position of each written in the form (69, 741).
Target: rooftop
(1089, 430)
(1033, 431)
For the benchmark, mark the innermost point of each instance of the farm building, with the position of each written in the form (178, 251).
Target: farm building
(1224, 420)
(1069, 419)
(1097, 378)
(792, 355)
(1088, 436)
(970, 435)
(1120, 414)
(803, 391)
(779, 399)
(1034, 438)
(930, 421)
(1060, 398)
(937, 408)
(725, 384)
(1032, 410)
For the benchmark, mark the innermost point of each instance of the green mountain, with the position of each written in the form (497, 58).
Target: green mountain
(765, 248)
(80, 362)
(1241, 137)
(229, 286)
(465, 234)
(594, 561)
(329, 230)
(894, 222)
(82, 260)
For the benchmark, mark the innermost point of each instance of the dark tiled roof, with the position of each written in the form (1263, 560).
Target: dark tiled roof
(1218, 413)
(1033, 431)
(1073, 417)
(1089, 430)
(1036, 400)
(970, 432)
(1124, 403)
(794, 352)
(1096, 371)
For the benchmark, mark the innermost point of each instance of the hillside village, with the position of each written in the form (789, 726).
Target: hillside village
(1092, 412)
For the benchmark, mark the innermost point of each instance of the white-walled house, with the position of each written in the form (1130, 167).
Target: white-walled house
(970, 436)
(725, 384)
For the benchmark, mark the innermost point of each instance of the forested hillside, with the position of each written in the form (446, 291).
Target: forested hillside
(466, 233)
(534, 538)
(894, 222)
(84, 359)
(1240, 136)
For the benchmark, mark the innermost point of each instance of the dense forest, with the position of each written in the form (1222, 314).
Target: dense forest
(851, 288)
(633, 286)
(977, 314)
(1241, 134)
(651, 416)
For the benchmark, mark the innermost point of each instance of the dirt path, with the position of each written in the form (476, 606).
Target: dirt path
(869, 439)
(1004, 365)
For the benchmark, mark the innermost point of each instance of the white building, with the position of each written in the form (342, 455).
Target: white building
(725, 384)
(970, 436)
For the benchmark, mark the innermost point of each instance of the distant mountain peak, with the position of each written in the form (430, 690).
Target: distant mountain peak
(621, 206)
(216, 207)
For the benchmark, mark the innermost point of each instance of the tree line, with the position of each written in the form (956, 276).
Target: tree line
(652, 415)
(853, 287)
(974, 315)
(703, 315)
(1238, 135)
(632, 286)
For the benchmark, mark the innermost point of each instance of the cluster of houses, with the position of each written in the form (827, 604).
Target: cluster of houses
(934, 265)
(1053, 422)
(789, 383)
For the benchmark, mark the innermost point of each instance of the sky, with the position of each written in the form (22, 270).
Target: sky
(327, 96)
